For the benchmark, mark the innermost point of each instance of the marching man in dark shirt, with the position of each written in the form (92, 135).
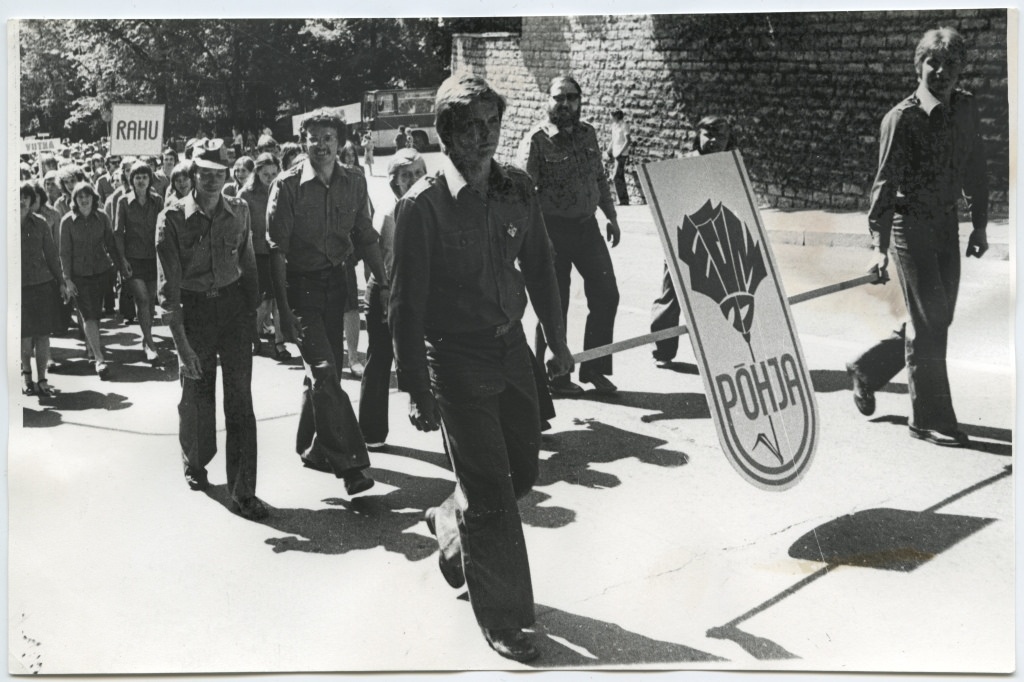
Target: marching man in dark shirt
(206, 272)
(318, 214)
(455, 313)
(564, 159)
(930, 153)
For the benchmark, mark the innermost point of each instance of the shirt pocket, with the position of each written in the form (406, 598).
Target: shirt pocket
(462, 254)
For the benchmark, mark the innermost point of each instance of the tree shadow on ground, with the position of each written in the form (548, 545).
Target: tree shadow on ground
(989, 433)
(568, 640)
(359, 523)
(53, 408)
(576, 451)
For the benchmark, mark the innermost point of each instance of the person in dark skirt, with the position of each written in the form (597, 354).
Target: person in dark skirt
(135, 230)
(42, 287)
(88, 254)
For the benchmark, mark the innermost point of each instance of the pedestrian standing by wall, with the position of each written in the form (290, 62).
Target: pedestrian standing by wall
(714, 134)
(42, 288)
(562, 156)
(318, 214)
(88, 252)
(135, 231)
(404, 169)
(207, 273)
(462, 355)
(930, 154)
(618, 151)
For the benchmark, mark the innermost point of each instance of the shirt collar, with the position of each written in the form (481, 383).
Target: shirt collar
(456, 181)
(308, 174)
(926, 98)
(191, 206)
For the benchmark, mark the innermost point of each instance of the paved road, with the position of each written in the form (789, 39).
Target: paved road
(647, 550)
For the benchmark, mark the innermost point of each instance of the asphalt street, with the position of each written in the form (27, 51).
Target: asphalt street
(647, 550)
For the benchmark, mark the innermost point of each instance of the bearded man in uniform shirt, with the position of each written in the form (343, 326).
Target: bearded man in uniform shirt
(564, 159)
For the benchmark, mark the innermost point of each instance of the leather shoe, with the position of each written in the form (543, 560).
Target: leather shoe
(564, 386)
(251, 508)
(196, 479)
(451, 570)
(357, 482)
(863, 397)
(600, 382)
(511, 643)
(316, 464)
(949, 439)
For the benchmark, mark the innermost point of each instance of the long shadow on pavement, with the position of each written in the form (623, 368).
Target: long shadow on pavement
(663, 405)
(831, 380)
(576, 451)
(568, 640)
(53, 408)
(360, 523)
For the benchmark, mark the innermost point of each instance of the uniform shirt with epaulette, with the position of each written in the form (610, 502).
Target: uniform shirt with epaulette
(929, 155)
(318, 226)
(199, 252)
(464, 262)
(567, 170)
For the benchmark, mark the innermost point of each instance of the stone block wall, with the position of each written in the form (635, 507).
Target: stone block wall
(806, 91)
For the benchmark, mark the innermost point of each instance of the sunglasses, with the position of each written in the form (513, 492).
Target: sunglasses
(569, 97)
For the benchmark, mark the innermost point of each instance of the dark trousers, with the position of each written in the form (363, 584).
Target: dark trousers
(665, 315)
(580, 243)
(488, 401)
(328, 431)
(926, 252)
(375, 388)
(110, 291)
(619, 179)
(217, 329)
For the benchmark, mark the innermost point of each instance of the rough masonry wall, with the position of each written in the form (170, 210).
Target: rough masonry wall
(806, 91)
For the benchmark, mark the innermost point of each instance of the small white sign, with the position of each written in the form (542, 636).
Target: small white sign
(137, 129)
(34, 146)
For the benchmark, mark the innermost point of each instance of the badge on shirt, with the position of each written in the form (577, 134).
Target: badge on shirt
(512, 230)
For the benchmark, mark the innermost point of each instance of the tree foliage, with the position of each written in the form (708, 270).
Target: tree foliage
(214, 74)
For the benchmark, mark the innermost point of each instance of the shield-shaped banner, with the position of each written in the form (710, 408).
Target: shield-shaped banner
(740, 324)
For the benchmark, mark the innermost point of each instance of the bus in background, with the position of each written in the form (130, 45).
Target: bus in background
(385, 110)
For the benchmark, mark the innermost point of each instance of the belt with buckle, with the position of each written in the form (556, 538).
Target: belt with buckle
(212, 293)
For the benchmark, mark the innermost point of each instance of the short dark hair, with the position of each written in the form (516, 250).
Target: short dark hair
(324, 119)
(946, 41)
(618, 115)
(455, 95)
(27, 190)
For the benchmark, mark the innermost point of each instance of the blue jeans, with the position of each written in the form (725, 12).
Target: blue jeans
(328, 431)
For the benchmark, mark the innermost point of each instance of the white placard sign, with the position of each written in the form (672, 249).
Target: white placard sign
(137, 129)
(34, 146)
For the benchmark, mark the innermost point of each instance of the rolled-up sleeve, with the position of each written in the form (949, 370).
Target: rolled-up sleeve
(410, 288)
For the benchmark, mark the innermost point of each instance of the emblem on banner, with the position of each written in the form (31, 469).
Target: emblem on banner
(743, 335)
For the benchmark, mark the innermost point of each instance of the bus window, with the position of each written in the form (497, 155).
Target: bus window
(415, 102)
(385, 104)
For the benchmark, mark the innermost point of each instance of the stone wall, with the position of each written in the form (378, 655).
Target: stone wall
(807, 91)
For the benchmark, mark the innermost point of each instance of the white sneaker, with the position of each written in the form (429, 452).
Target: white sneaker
(357, 369)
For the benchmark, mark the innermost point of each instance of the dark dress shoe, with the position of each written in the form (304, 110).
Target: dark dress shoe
(316, 464)
(564, 386)
(863, 397)
(451, 570)
(357, 482)
(511, 643)
(600, 382)
(251, 508)
(196, 479)
(949, 439)
(281, 352)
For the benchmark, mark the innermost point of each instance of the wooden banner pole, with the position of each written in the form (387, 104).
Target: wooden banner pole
(637, 341)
